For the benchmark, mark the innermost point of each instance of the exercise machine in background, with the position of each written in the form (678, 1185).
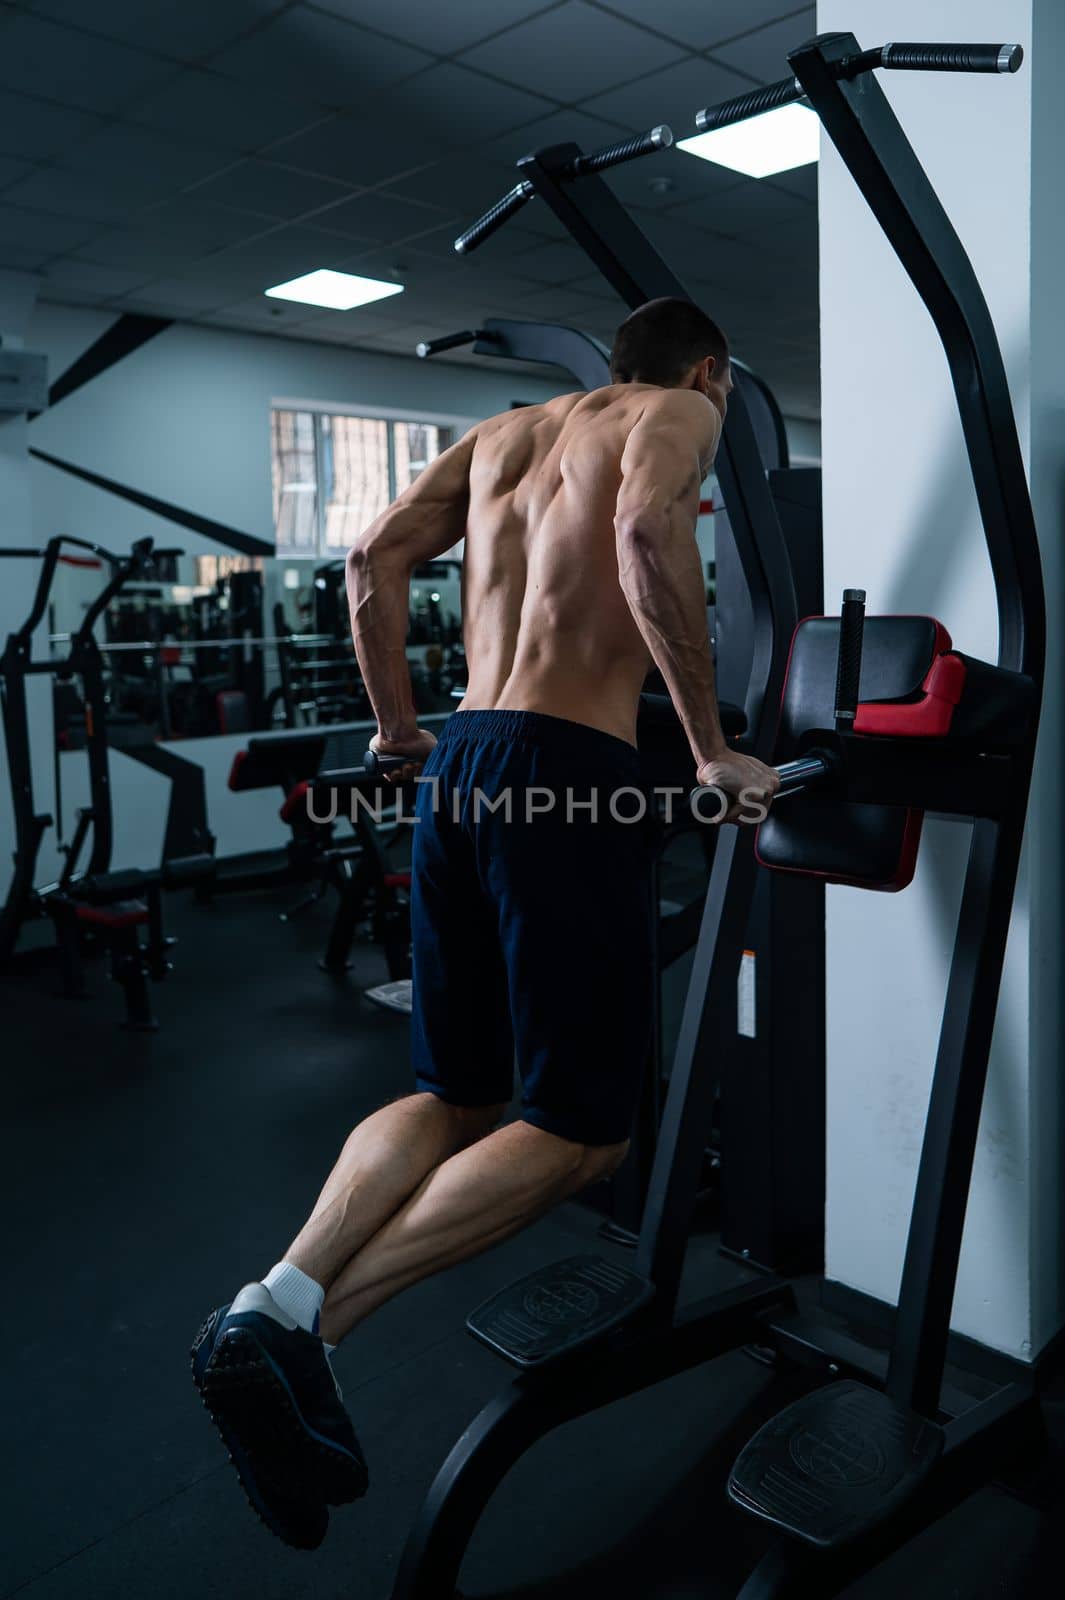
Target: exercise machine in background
(92, 905)
(883, 720)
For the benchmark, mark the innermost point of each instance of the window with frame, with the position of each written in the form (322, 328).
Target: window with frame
(334, 473)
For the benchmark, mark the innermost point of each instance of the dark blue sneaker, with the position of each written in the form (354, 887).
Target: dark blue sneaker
(269, 1385)
(299, 1521)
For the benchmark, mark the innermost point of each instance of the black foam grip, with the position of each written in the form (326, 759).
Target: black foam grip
(614, 155)
(952, 57)
(380, 766)
(450, 341)
(749, 105)
(849, 667)
(501, 212)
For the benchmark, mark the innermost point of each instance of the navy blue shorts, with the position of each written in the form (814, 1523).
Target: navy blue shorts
(531, 921)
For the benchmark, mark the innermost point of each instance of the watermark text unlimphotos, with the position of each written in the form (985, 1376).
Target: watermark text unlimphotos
(627, 804)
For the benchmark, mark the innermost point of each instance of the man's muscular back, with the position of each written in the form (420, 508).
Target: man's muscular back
(548, 625)
(581, 566)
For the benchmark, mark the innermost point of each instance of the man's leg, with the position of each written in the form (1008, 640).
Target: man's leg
(470, 1202)
(386, 1158)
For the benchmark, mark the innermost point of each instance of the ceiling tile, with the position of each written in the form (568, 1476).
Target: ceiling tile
(672, 96)
(572, 52)
(171, 162)
(273, 191)
(20, 258)
(165, 27)
(668, 179)
(381, 218)
(38, 129)
(39, 57)
(33, 230)
(166, 235)
(763, 54)
(89, 277)
(442, 29)
(314, 54)
(559, 262)
(698, 23)
(11, 169)
(744, 206)
(184, 294)
(453, 106)
(356, 152)
(801, 181)
(264, 313)
(561, 127)
(367, 319)
(103, 197)
(205, 108)
(467, 188)
(282, 254)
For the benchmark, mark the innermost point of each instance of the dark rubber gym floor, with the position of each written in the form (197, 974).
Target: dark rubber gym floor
(148, 1176)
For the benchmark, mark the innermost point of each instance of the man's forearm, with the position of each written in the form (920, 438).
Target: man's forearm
(661, 578)
(379, 600)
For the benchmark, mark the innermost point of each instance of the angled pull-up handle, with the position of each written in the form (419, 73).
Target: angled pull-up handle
(849, 662)
(451, 341)
(613, 155)
(894, 57)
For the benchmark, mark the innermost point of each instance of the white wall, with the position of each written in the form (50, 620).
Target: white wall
(185, 418)
(804, 441)
(901, 521)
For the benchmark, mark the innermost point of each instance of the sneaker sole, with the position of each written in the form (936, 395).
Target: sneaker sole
(298, 1522)
(249, 1397)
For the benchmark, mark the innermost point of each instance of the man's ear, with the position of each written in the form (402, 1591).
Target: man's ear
(705, 373)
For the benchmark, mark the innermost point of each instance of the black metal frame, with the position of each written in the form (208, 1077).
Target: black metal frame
(84, 660)
(983, 1437)
(134, 895)
(858, 118)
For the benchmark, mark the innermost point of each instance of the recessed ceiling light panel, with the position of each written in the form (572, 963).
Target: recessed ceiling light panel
(776, 141)
(338, 291)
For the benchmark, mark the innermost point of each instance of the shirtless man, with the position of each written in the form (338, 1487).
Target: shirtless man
(531, 915)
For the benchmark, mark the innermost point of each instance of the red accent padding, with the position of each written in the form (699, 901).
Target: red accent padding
(927, 718)
(123, 914)
(234, 771)
(396, 880)
(295, 802)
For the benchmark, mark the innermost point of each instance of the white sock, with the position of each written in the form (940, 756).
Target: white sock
(296, 1293)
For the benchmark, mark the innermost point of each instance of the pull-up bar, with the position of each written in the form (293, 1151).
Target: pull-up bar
(613, 155)
(894, 57)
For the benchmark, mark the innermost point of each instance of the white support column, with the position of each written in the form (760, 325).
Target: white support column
(901, 521)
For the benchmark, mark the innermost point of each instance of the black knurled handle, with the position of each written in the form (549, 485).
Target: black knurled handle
(614, 155)
(849, 665)
(774, 95)
(494, 218)
(952, 57)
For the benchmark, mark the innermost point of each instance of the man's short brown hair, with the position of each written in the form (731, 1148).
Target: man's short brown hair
(663, 340)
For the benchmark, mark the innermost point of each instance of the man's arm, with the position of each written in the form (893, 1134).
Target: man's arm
(427, 519)
(667, 455)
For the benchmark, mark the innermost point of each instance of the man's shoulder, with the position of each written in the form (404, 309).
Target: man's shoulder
(524, 414)
(683, 405)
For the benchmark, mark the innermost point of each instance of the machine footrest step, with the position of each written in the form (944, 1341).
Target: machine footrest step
(558, 1309)
(835, 1465)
